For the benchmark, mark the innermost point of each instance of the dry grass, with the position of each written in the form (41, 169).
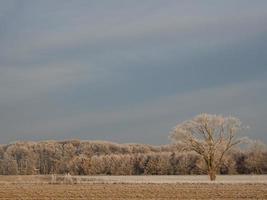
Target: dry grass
(38, 187)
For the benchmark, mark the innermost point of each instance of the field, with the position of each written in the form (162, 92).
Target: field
(134, 187)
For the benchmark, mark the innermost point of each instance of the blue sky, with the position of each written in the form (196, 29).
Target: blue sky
(129, 71)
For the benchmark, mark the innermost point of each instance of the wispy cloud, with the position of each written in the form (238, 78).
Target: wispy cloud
(24, 83)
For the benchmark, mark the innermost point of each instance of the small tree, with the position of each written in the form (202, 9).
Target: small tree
(211, 136)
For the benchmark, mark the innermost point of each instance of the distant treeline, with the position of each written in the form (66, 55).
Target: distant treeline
(95, 158)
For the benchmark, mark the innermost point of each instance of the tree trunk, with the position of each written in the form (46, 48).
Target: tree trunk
(212, 174)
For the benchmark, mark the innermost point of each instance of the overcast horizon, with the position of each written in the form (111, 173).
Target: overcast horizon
(129, 71)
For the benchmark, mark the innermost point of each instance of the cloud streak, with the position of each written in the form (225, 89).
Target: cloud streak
(155, 119)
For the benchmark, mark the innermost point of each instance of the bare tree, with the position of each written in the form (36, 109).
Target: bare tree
(211, 136)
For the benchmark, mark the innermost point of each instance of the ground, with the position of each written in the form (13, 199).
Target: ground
(30, 187)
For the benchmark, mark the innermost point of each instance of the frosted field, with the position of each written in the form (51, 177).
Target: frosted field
(175, 179)
(137, 179)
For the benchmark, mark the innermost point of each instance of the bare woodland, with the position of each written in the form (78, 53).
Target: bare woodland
(95, 158)
(207, 144)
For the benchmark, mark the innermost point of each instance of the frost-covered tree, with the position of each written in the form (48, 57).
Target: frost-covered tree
(96, 157)
(211, 136)
(256, 160)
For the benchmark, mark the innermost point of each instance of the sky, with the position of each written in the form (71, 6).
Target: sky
(129, 71)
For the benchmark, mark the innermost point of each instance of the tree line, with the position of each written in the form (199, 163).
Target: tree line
(106, 158)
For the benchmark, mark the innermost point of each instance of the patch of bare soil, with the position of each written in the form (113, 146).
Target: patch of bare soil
(133, 191)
